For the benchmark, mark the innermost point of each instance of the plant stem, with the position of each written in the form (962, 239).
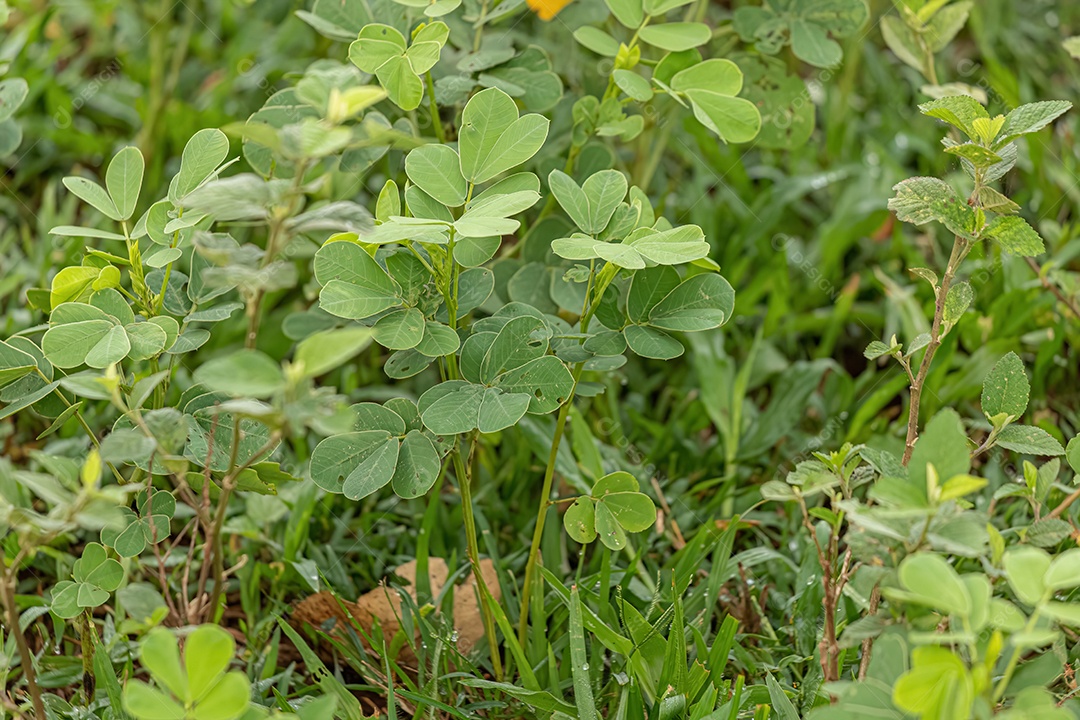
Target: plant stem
(89, 635)
(168, 269)
(1065, 300)
(868, 643)
(644, 171)
(464, 476)
(214, 542)
(1003, 684)
(478, 36)
(549, 471)
(7, 594)
(254, 309)
(1064, 504)
(436, 121)
(463, 469)
(959, 252)
(541, 515)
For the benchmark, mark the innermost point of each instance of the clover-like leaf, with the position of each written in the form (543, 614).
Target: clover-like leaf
(652, 343)
(931, 581)
(787, 120)
(614, 507)
(436, 169)
(201, 688)
(937, 685)
(676, 36)
(381, 50)
(592, 204)
(95, 575)
(804, 24)
(493, 139)
(149, 525)
(580, 520)
(83, 334)
(202, 157)
(385, 449)
(355, 286)
(14, 364)
(123, 179)
(711, 87)
(1026, 568)
(243, 373)
(644, 246)
(701, 302)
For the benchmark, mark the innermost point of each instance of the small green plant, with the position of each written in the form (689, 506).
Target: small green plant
(917, 505)
(805, 25)
(95, 574)
(965, 681)
(986, 154)
(198, 686)
(923, 29)
(613, 507)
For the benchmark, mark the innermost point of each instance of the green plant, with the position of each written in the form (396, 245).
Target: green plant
(609, 511)
(805, 25)
(987, 154)
(199, 686)
(923, 29)
(96, 575)
(447, 265)
(918, 502)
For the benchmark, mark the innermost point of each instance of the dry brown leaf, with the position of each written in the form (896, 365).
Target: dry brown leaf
(383, 605)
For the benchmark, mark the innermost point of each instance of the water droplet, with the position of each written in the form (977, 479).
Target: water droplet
(585, 666)
(454, 636)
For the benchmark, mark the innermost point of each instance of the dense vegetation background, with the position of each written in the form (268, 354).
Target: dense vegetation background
(730, 603)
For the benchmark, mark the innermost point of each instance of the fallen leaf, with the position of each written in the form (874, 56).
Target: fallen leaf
(382, 605)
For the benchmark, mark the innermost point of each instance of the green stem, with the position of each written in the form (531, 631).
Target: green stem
(461, 469)
(479, 34)
(959, 252)
(541, 515)
(88, 636)
(168, 269)
(451, 297)
(254, 309)
(659, 145)
(214, 536)
(599, 285)
(1014, 659)
(436, 121)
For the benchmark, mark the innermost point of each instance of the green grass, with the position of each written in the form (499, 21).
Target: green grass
(716, 610)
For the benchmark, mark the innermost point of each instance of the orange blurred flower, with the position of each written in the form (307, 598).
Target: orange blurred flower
(547, 9)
